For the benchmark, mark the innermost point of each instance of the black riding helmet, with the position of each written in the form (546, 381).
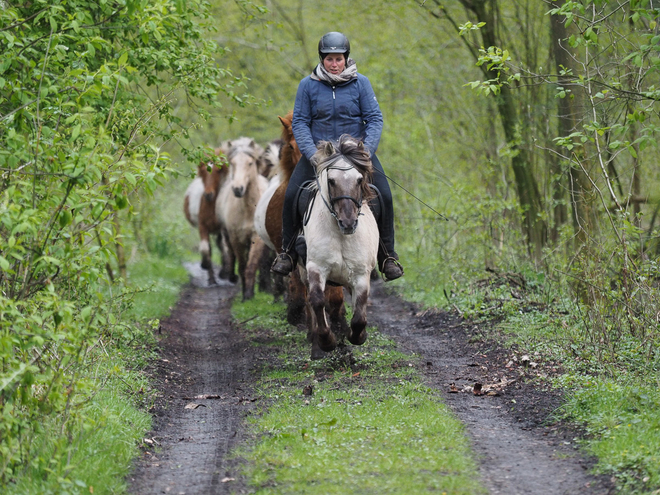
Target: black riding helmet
(334, 42)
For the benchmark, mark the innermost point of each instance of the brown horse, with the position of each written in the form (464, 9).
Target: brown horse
(199, 208)
(268, 223)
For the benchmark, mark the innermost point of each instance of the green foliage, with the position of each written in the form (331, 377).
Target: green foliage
(86, 103)
(623, 422)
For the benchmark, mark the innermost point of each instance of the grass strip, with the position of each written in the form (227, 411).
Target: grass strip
(359, 421)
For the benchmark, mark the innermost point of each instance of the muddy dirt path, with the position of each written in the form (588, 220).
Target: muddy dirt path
(208, 369)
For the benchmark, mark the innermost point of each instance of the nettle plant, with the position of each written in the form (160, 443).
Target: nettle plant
(86, 104)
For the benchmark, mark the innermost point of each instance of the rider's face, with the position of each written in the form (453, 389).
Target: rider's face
(334, 63)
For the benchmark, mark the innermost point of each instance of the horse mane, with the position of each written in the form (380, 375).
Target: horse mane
(353, 151)
(287, 160)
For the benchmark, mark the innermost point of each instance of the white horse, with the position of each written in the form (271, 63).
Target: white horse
(341, 235)
(235, 206)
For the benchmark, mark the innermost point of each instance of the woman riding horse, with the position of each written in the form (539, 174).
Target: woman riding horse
(334, 100)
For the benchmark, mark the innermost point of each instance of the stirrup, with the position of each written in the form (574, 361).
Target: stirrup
(396, 263)
(281, 258)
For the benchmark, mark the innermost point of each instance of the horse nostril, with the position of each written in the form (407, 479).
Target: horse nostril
(239, 191)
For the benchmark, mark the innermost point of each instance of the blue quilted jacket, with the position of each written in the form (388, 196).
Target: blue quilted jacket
(323, 113)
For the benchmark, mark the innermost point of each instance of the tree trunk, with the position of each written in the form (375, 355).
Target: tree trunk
(569, 116)
(534, 227)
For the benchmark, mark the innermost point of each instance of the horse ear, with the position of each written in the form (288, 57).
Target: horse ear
(282, 121)
(328, 149)
(360, 145)
(252, 144)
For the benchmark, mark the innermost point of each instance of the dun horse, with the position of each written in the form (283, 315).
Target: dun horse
(268, 224)
(235, 206)
(341, 236)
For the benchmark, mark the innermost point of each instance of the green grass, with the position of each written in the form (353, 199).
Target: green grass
(105, 436)
(160, 280)
(623, 421)
(370, 425)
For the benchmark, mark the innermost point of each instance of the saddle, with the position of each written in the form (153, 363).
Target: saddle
(305, 197)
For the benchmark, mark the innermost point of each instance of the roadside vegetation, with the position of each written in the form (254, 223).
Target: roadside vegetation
(361, 418)
(87, 94)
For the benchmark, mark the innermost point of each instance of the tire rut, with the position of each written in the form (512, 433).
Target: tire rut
(201, 355)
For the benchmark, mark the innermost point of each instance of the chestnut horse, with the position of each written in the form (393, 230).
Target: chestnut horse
(235, 206)
(268, 224)
(199, 208)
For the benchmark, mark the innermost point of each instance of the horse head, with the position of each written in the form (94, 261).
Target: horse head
(290, 154)
(268, 163)
(212, 179)
(344, 171)
(243, 156)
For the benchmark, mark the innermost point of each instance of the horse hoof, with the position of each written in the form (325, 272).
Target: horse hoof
(328, 343)
(358, 339)
(317, 353)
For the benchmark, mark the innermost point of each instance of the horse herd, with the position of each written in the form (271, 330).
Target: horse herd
(238, 205)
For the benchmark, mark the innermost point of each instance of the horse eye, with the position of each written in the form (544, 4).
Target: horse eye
(359, 181)
(331, 182)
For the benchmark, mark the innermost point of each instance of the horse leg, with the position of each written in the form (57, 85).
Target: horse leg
(228, 258)
(334, 305)
(205, 251)
(256, 249)
(360, 293)
(326, 339)
(266, 279)
(295, 312)
(312, 334)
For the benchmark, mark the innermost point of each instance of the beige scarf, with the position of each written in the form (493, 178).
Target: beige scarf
(350, 72)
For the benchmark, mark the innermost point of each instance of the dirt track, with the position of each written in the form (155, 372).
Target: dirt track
(202, 355)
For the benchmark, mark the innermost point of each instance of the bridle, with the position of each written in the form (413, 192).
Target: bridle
(330, 202)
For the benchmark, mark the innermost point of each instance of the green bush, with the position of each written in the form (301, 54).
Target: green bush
(86, 101)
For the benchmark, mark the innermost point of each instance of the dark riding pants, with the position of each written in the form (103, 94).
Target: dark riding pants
(304, 172)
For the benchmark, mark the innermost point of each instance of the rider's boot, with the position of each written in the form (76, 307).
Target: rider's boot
(388, 264)
(285, 262)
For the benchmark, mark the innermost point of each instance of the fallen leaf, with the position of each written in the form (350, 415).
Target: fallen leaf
(192, 405)
(452, 388)
(476, 390)
(308, 390)
(227, 479)
(356, 374)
